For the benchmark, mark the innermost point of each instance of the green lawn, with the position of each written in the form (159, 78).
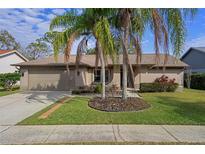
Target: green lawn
(4, 93)
(186, 107)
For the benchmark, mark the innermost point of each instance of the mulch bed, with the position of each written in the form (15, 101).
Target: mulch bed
(112, 104)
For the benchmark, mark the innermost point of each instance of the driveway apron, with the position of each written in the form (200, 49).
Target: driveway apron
(16, 107)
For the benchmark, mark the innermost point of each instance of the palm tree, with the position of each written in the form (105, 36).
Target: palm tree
(90, 23)
(166, 25)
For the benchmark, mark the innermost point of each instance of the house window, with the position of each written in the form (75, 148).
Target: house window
(106, 75)
(78, 73)
(97, 75)
(22, 74)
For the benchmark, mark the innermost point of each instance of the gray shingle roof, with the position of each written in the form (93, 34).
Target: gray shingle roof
(89, 60)
(199, 48)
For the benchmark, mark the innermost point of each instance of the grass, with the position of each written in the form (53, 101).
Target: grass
(186, 108)
(4, 92)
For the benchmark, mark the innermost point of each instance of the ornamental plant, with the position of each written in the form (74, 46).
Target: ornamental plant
(8, 80)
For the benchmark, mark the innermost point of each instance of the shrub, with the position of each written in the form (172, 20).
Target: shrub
(158, 87)
(198, 81)
(164, 79)
(113, 89)
(98, 88)
(83, 89)
(77, 92)
(8, 80)
(88, 89)
(161, 84)
(15, 87)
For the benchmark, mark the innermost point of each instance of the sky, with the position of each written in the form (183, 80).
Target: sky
(26, 25)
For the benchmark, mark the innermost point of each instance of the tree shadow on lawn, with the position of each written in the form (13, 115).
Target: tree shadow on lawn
(193, 111)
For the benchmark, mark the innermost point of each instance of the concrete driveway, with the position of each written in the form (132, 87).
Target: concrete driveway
(16, 107)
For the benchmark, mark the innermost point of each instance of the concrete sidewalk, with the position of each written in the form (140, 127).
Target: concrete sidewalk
(65, 134)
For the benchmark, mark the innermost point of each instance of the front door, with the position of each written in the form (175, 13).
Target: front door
(129, 85)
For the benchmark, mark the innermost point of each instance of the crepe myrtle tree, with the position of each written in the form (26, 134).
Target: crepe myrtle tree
(90, 23)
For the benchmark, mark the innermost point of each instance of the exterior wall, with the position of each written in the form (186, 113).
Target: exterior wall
(24, 79)
(7, 60)
(195, 59)
(137, 80)
(115, 76)
(84, 77)
(51, 78)
(149, 75)
(56, 78)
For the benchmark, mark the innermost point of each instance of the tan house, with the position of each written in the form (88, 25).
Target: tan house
(46, 74)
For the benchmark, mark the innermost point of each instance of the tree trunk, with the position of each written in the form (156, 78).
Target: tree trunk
(132, 77)
(125, 59)
(102, 70)
(124, 78)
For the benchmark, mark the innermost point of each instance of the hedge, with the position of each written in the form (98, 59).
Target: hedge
(88, 89)
(8, 80)
(198, 81)
(158, 87)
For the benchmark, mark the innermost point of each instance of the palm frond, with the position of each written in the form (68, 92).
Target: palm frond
(104, 36)
(80, 50)
(177, 30)
(189, 12)
(160, 34)
(69, 44)
(97, 56)
(64, 21)
(60, 41)
(138, 49)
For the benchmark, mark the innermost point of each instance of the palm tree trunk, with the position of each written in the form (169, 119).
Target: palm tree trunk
(124, 67)
(132, 76)
(124, 78)
(102, 70)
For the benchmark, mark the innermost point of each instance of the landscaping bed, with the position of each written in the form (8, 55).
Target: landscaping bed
(116, 104)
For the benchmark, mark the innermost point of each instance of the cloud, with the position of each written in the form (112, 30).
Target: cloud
(196, 42)
(26, 25)
(58, 11)
(50, 16)
(31, 20)
(33, 12)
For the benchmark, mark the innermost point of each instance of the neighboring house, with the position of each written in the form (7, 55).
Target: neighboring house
(195, 58)
(46, 74)
(8, 57)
